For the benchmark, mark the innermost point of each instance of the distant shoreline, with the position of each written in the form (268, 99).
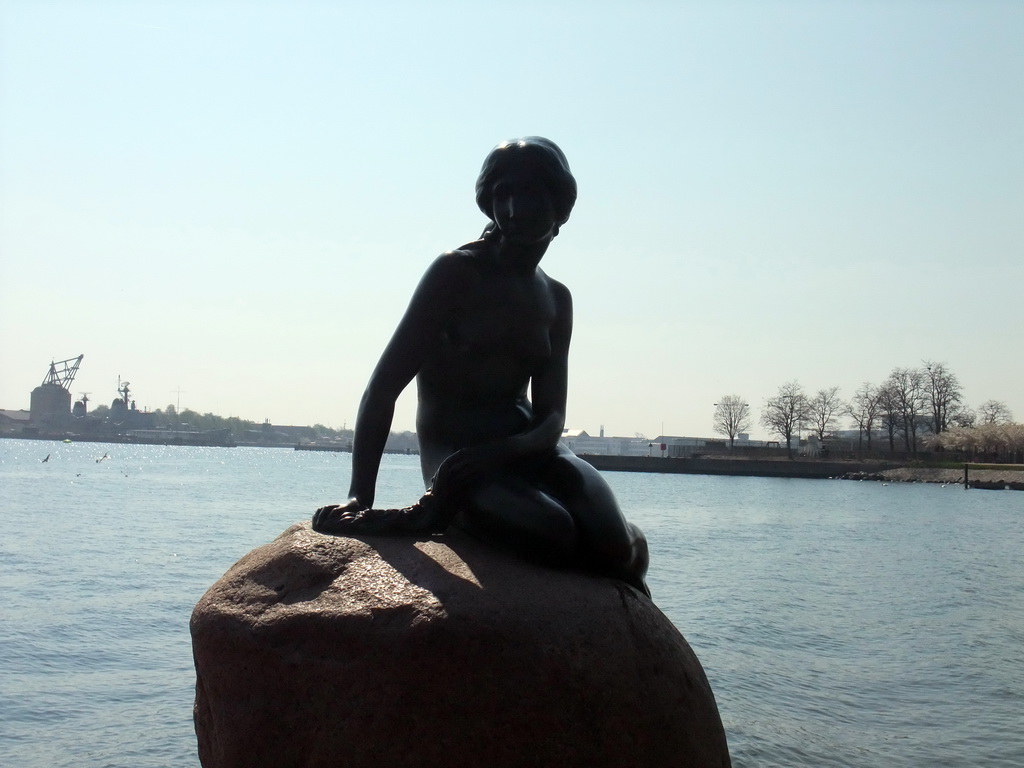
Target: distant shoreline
(984, 477)
(200, 439)
(1010, 478)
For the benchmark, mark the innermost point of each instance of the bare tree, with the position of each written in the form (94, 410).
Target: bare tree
(994, 412)
(889, 412)
(786, 413)
(907, 388)
(865, 408)
(964, 417)
(825, 407)
(943, 394)
(732, 416)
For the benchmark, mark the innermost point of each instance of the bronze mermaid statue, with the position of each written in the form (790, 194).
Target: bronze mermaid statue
(484, 325)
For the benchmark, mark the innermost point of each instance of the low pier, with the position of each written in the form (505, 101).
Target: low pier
(800, 468)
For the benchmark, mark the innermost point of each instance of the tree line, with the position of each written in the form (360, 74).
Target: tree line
(912, 408)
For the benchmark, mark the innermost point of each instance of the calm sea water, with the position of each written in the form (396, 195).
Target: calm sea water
(840, 623)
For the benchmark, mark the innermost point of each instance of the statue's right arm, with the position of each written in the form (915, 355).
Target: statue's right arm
(398, 365)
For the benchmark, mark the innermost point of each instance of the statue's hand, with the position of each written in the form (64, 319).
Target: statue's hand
(337, 516)
(425, 516)
(465, 468)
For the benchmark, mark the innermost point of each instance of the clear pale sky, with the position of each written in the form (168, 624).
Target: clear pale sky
(236, 199)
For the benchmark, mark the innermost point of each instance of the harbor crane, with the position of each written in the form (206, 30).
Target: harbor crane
(63, 373)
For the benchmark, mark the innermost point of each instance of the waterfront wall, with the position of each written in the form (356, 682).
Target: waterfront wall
(813, 468)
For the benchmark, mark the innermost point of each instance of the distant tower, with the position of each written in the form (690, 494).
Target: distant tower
(50, 402)
(81, 406)
(602, 430)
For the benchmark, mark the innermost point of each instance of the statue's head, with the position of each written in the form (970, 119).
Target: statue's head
(543, 157)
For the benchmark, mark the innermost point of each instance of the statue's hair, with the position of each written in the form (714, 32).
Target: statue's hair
(545, 158)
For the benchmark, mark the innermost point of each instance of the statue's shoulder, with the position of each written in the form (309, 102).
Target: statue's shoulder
(470, 250)
(463, 260)
(558, 289)
(452, 272)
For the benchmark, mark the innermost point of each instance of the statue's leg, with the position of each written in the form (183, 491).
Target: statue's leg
(609, 543)
(557, 509)
(514, 515)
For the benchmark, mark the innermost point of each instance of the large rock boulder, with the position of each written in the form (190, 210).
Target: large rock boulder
(320, 650)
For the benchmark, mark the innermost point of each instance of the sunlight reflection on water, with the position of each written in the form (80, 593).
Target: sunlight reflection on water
(840, 624)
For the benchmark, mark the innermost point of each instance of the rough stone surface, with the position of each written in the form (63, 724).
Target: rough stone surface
(998, 479)
(317, 650)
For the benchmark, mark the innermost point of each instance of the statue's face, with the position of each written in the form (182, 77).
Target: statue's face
(523, 208)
